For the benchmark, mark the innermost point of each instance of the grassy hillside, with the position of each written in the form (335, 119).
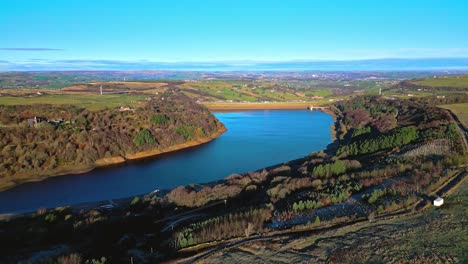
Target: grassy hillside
(444, 81)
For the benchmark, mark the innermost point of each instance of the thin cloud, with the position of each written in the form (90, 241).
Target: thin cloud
(342, 65)
(31, 49)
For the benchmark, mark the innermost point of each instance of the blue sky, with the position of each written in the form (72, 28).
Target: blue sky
(39, 32)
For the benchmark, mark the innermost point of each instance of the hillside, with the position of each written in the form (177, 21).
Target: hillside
(460, 81)
(240, 87)
(434, 236)
(437, 85)
(40, 140)
(390, 159)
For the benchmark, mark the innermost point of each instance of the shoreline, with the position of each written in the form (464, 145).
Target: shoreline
(104, 162)
(189, 144)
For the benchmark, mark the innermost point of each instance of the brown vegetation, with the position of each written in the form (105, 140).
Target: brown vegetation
(72, 137)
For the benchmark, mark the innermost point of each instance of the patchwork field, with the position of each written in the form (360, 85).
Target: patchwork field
(452, 81)
(89, 101)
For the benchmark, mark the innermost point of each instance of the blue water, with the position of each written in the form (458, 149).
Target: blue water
(255, 139)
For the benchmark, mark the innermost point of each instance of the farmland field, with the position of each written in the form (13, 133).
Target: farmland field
(453, 81)
(89, 101)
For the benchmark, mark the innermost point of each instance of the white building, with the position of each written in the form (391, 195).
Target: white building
(438, 201)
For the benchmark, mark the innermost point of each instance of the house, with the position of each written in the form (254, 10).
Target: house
(438, 201)
(36, 120)
(126, 108)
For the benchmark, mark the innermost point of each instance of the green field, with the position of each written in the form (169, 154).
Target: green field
(89, 101)
(252, 91)
(461, 110)
(453, 81)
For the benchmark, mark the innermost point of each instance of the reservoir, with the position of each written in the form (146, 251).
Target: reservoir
(254, 140)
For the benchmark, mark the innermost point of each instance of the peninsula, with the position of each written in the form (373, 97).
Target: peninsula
(43, 140)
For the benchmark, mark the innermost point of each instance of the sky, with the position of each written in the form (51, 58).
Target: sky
(87, 33)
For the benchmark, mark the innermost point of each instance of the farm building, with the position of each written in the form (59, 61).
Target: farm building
(438, 201)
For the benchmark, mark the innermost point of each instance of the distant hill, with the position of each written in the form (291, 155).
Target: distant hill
(444, 82)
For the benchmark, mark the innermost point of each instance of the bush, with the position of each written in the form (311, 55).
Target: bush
(143, 138)
(159, 119)
(72, 258)
(317, 220)
(186, 131)
(135, 200)
(103, 260)
(50, 218)
(377, 194)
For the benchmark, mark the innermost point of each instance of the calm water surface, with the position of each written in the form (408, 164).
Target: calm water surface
(255, 139)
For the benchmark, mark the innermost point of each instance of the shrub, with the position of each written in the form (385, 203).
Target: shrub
(143, 138)
(50, 218)
(135, 200)
(103, 260)
(251, 188)
(317, 220)
(186, 131)
(377, 194)
(249, 229)
(72, 258)
(159, 119)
